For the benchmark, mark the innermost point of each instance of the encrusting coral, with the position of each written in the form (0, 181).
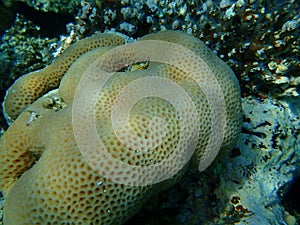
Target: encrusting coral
(44, 175)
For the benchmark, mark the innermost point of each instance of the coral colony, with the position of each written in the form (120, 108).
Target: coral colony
(225, 176)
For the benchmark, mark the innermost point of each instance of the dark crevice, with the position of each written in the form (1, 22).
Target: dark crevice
(7, 16)
(52, 24)
(258, 134)
(291, 198)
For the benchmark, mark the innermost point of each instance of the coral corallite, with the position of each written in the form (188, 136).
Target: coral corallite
(49, 178)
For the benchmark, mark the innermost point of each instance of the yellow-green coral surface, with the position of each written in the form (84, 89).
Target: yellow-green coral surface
(44, 176)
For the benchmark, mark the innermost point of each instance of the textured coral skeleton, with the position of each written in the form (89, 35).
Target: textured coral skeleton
(44, 176)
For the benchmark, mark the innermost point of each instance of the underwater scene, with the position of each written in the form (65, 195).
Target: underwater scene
(149, 112)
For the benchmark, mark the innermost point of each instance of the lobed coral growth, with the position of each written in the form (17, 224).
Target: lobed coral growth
(44, 176)
(33, 85)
